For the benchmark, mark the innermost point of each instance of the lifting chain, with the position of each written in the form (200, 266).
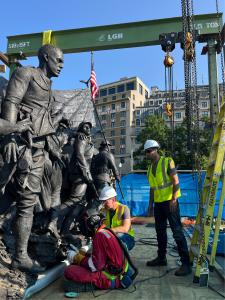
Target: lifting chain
(169, 106)
(192, 103)
(188, 100)
(221, 51)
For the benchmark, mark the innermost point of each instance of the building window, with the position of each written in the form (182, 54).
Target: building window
(113, 97)
(178, 115)
(151, 102)
(133, 97)
(123, 104)
(160, 101)
(123, 114)
(103, 117)
(112, 151)
(103, 125)
(103, 92)
(113, 115)
(123, 96)
(138, 112)
(137, 131)
(122, 141)
(112, 90)
(138, 122)
(122, 123)
(112, 132)
(140, 89)
(112, 124)
(204, 104)
(133, 106)
(130, 86)
(146, 94)
(104, 99)
(113, 142)
(120, 88)
(205, 114)
(103, 108)
(122, 150)
(123, 131)
(113, 106)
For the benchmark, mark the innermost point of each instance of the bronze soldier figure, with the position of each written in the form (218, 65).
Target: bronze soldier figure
(29, 96)
(79, 179)
(103, 166)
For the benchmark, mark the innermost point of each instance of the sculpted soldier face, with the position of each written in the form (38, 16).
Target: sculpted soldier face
(54, 62)
(86, 129)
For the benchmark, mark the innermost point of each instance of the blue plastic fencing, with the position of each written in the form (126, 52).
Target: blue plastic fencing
(136, 194)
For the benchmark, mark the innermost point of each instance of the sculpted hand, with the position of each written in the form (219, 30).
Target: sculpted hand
(10, 152)
(24, 125)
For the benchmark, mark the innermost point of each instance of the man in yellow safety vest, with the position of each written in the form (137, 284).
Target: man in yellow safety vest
(117, 216)
(164, 193)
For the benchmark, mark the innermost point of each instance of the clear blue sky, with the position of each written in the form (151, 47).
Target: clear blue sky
(29, 16)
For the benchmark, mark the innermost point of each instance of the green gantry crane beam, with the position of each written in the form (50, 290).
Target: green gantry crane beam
(115, 36)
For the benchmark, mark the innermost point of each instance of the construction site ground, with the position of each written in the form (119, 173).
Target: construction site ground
(155, 283)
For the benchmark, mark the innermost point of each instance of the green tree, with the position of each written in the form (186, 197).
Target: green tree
(157, 129)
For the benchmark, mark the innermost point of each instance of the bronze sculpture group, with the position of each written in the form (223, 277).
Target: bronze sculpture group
(32, 164)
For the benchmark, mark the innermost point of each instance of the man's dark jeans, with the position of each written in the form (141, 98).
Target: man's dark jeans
(162, 214)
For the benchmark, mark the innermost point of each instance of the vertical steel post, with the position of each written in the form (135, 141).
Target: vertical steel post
(213, 82)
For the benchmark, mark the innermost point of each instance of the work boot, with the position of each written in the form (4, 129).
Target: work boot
(183, 270)
(158, 261)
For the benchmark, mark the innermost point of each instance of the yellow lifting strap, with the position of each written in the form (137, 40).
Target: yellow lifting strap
(203, 227)
(47, 37)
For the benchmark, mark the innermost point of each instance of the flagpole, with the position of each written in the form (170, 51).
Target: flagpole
(99, 121)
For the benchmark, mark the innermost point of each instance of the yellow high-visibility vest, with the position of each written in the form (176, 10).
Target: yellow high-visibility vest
(161, 183)
(117, 218)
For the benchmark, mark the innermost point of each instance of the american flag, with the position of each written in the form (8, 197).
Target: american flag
(93, 81)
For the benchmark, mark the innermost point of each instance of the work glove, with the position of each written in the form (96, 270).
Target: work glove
(87, 249)
(71, 253)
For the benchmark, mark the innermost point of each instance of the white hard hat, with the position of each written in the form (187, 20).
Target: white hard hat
(151, 144)
(107, 193)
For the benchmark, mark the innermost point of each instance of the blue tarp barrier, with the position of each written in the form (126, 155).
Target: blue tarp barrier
(136, 194)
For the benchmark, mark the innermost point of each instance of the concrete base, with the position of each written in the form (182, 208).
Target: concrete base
(45, 279)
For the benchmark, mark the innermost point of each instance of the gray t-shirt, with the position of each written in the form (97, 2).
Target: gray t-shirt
(125, 215)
